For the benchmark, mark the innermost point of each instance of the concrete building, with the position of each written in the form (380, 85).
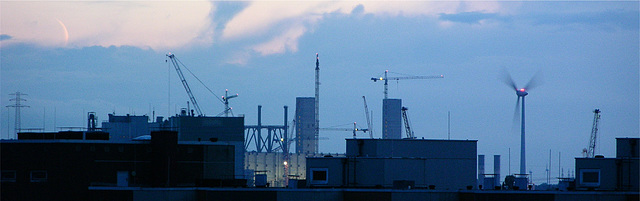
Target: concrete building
(620, 173)
(306, 141)
(408, 163)
(391, 119)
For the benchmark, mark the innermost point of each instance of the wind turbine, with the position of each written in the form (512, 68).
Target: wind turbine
(521, 93)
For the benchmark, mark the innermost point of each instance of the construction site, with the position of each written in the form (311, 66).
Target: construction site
(283, 161)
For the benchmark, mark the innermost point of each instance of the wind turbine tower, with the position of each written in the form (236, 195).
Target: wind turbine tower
(523, 161)
(521, 93)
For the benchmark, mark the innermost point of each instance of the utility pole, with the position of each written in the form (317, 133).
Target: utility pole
(17, 105)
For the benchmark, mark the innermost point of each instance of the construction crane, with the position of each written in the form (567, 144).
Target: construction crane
(594, 134)
(407, 124)
(366, 111)
(386, 79)
(354, 130)
(174, 61)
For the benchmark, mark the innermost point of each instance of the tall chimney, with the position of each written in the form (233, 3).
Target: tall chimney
(481, 170)
(496, 169)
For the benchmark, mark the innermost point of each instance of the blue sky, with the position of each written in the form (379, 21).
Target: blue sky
(109, 57)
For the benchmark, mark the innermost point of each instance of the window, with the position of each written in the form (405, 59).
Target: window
(319, 175)
(39, 176)
(590, 177)
(8, 176)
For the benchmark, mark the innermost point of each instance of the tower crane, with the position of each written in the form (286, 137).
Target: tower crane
(174, 61)
(366, 111)
(386, 79)
(407, 124)
(354, 130)
(594, 134)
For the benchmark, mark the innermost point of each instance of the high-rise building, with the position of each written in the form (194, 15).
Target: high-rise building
(391, 119)
(306, 141)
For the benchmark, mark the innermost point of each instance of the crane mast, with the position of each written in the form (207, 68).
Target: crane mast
(386, 80)
(407, 124)
(174, 61)
(594, 134)
(366, 111)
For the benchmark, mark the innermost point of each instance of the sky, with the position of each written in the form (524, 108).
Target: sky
(74, 57)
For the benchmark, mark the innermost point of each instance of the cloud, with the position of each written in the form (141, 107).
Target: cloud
(153, 24)
(279, 25)
(621, 19)
(5, 37)
(468, 17)
(287, 41)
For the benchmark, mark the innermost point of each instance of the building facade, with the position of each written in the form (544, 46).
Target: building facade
(64, 169)
(384, 163)
(125, 128)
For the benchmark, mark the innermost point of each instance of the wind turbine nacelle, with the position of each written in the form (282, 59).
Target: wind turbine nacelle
(521, 92)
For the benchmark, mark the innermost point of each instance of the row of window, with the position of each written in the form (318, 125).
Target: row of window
(121, 149)
(34, 176)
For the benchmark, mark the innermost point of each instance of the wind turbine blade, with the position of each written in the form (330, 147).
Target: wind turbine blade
(535, 81)
(506, 78)
(515, 128)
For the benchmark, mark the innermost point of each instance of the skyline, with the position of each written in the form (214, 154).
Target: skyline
(112, 60)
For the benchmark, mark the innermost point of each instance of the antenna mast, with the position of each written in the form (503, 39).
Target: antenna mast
(317, 130)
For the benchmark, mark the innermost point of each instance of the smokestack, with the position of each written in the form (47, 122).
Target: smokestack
(285, 146)
(481, 170)
(496, 168)
(317, 126)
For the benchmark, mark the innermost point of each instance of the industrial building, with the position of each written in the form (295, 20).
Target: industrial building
(187, 151)
(489, 181)
(398, 163)
(272, 166)
(611, 174)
